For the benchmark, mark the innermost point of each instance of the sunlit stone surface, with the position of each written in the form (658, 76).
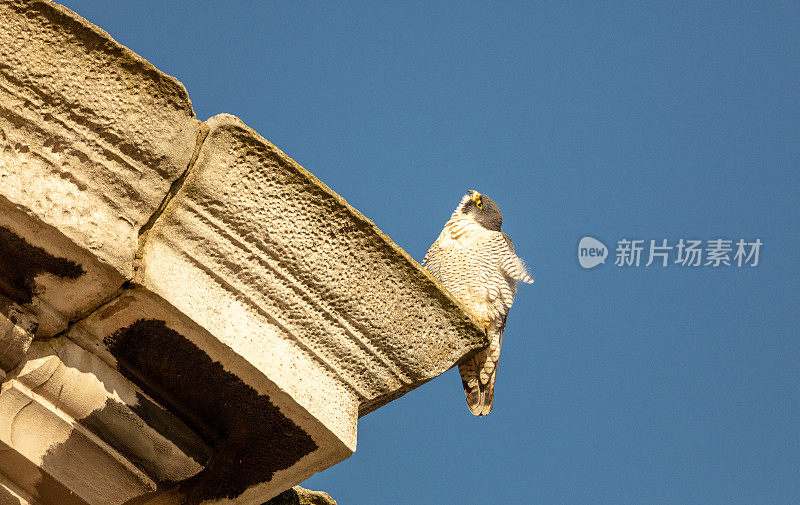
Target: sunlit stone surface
(186, 314)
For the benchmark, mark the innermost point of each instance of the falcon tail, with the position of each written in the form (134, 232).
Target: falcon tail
(473, 392)
(477, 376)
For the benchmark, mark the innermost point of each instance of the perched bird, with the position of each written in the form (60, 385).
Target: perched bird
(476, 262)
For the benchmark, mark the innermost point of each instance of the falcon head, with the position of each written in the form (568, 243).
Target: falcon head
(482, 209)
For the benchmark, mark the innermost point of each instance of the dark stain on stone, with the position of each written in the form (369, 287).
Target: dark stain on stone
(102, 423)
(21, 262)
(14, 344)
(163, 422)
(251, 438)
(32, 479)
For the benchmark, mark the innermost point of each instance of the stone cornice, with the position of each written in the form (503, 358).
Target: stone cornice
(188, 311)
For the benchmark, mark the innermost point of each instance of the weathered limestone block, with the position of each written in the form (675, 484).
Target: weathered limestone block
(17, 327)
(253, 233)
(257, 434)
(290, 300)
(88, 390)
(83, 424)
(91, 138)
(44, 271)
(60, 452)
(187, 315)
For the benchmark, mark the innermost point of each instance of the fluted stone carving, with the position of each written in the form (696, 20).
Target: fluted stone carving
(186, 314)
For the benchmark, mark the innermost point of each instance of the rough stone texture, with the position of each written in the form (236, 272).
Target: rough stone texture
(301, 496)
(252, 232)
(258, 434)
(82, 387)
(63, 452)
(17, 327)
(80, 422)
(91, 138)
(186, 314)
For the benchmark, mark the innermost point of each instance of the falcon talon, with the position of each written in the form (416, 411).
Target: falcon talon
(476, 262)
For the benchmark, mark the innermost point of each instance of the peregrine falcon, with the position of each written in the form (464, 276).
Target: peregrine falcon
(476, 262)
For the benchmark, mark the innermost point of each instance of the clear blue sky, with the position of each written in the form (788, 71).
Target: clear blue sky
(616, 386)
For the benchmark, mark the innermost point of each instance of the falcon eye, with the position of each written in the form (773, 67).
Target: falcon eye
(479, 203)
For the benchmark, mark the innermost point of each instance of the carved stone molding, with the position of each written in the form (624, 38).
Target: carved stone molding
(17, 326)
(186, 314)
